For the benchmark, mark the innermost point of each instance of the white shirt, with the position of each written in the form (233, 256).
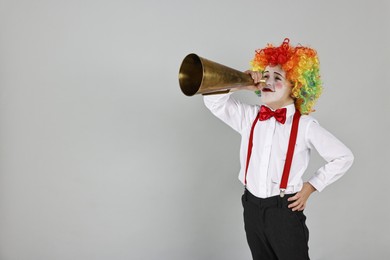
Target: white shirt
(270, 142)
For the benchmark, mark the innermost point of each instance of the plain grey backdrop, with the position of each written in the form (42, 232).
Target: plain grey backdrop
(103, 157)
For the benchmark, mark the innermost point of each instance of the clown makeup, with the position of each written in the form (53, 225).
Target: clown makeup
(277, 91)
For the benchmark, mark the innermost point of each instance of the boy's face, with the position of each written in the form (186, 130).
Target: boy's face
(277, 91)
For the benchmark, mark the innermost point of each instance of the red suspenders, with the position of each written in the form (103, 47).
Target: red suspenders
(290, 150)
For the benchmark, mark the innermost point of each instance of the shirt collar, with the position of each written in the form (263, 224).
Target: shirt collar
(290, 110)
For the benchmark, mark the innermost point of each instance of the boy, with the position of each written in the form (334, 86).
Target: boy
(274, 153)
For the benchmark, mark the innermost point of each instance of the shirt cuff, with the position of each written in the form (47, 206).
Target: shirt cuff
(215, 99)
(317, 183)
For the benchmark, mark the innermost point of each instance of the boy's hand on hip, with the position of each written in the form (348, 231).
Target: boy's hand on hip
(300, 199)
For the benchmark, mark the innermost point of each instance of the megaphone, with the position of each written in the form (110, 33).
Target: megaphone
(198, 75)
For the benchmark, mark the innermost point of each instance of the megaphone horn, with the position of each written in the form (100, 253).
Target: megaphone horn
(198, 75)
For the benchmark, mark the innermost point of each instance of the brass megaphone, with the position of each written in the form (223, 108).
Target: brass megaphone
(198, 75)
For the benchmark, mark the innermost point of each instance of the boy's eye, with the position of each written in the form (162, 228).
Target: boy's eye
(266, 76)
(278, 78)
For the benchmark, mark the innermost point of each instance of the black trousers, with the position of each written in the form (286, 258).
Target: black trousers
(273, 231)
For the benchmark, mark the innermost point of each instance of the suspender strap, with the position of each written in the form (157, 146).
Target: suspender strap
(250, 144)
(290, 150)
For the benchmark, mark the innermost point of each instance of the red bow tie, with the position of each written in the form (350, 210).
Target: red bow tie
(279, 114)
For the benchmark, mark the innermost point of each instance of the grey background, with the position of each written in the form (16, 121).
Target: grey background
(102, 156)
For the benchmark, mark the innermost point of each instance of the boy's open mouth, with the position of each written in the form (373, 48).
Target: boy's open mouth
(266, 89)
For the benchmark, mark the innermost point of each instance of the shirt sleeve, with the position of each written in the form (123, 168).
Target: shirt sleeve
(229, 110)
(339, 158)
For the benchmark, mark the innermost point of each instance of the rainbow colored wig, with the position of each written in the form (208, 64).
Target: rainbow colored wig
(302, 69)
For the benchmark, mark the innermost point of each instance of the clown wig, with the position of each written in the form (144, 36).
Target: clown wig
(302, 70)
